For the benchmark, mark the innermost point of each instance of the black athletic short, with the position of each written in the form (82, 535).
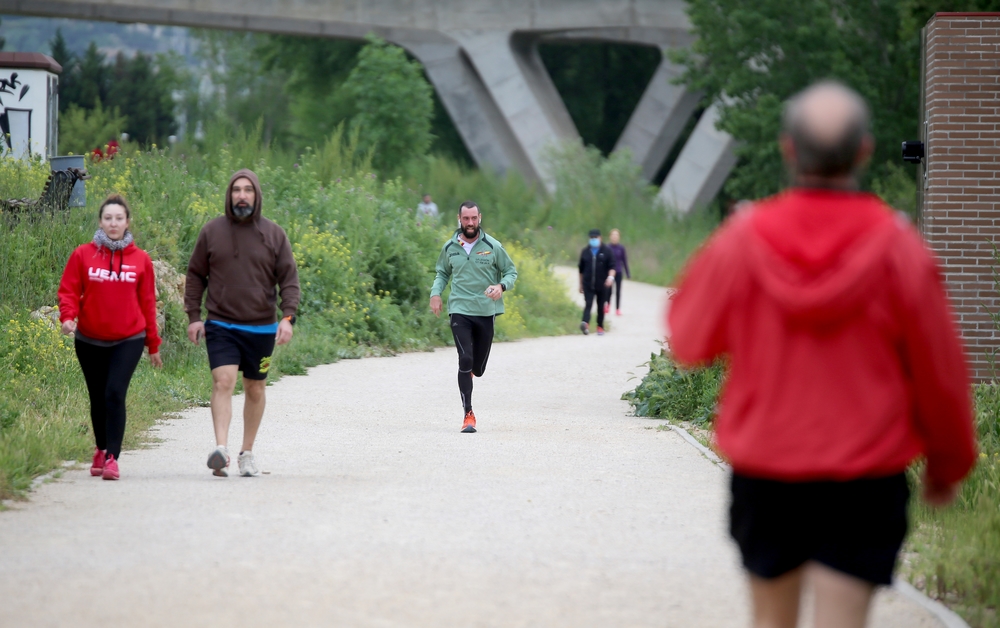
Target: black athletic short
(252, 352)
(855, 527)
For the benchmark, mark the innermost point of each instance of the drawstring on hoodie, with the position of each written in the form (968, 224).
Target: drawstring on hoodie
(102, 240)
(254, 216)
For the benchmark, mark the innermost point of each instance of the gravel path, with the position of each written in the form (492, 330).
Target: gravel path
(375, 510)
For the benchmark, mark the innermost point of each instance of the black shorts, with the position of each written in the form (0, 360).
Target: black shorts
(252, 352)
(855, 527)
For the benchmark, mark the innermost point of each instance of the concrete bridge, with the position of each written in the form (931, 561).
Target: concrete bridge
(482, 57)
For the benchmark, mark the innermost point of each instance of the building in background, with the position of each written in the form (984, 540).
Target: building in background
(29, 105)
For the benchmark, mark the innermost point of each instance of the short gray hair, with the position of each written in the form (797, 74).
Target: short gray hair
(826, 156)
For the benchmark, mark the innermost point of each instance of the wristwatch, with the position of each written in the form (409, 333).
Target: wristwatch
(291, 319)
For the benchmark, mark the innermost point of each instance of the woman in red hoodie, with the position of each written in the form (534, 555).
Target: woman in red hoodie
(107, 299)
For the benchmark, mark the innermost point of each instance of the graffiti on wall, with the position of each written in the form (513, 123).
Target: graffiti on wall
(15, 122)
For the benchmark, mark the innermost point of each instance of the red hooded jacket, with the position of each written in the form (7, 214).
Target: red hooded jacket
(113, 294)
(845, 361)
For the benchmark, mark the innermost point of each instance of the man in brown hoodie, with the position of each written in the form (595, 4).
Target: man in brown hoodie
(240, 258)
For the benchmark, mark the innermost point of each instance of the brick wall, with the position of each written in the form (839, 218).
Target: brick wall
(960, 215)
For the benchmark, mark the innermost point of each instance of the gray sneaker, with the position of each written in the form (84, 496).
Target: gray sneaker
(585, 327)
(218, 460)
(248, 467)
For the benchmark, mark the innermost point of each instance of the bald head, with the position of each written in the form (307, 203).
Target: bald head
(827, 126)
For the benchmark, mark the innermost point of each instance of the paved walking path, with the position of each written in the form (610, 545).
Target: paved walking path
(375, 510)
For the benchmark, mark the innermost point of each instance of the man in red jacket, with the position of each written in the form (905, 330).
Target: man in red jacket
(844, 366)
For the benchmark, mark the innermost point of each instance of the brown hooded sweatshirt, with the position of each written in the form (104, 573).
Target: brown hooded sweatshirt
(241, 262)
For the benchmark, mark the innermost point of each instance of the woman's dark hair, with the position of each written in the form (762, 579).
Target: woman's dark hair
(115, 199)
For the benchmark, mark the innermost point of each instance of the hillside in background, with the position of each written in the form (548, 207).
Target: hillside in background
(34, 34)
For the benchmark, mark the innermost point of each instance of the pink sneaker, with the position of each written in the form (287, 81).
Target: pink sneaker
(110, 469)
(607, 308)
(97, 466)
(618, 312)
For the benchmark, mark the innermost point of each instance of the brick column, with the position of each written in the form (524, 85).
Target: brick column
(961, 203)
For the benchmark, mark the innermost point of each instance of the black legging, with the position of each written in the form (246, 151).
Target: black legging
(108, 371)
(618, 291)
(473, 339)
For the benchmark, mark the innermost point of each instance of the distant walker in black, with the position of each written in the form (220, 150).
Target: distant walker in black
(597, 275)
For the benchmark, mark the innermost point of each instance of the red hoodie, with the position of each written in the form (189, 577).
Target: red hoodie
(845, 361)
(113, 294)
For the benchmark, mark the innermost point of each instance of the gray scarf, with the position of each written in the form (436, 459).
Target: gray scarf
(102, 239)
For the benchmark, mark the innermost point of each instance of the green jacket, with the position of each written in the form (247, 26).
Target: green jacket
(472, 273)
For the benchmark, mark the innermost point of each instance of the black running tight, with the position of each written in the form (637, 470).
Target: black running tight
(602, 295)
(108, 371)
(473, 339)
(618, 291)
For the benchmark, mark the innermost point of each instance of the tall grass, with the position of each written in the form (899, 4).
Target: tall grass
(954, 553)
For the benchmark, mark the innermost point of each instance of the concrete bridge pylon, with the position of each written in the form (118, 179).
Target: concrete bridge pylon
(482, 57)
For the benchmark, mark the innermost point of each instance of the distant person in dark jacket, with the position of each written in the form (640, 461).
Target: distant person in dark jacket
(240, 258)
(597, 274)
(621, 269)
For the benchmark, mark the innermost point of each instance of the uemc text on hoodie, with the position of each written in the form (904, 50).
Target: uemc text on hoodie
(844, 358)
(112, 294)
(241, 262)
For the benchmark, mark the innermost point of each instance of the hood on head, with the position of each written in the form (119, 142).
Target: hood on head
(249, 174)
(812, 251)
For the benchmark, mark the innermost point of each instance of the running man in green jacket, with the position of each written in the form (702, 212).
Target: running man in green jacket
(481, 271)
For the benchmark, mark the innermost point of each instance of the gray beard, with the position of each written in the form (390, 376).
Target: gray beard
(242, 213)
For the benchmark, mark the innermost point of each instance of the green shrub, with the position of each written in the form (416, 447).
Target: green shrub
(82, 130)
(394, 103)
(669, 391)
(537, 306)
(954, 553)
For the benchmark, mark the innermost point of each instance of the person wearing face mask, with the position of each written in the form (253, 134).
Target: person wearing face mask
(244, 261)
(480, 272)
(597, 275)
(107, 301)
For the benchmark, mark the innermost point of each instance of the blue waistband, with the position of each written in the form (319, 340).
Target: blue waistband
(251, 329)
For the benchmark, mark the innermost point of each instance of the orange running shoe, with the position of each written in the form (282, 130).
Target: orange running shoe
(469, 424)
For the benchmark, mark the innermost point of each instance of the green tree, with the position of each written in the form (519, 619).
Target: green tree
(82, 130)
(315, 69)
(94, 79)
(144, 97)
(394, 104)
(241, 90)
(755, 56)
(69, 82)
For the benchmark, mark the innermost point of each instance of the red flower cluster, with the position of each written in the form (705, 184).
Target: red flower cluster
(111, 149)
